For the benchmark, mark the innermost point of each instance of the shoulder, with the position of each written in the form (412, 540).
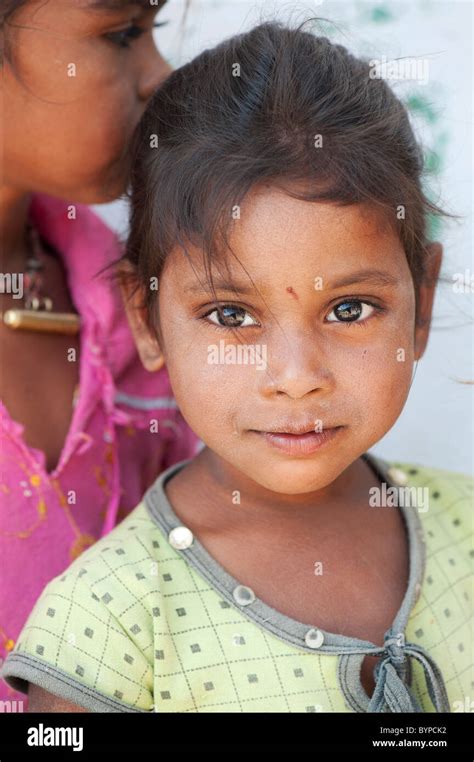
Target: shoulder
(451, 490)
(89, 637)
(117, 568)
(440, 620)
(443, 501)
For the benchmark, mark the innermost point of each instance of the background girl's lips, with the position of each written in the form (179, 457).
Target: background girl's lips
(299, 444)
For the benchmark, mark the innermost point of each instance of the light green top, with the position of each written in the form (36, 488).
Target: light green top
(137, 624)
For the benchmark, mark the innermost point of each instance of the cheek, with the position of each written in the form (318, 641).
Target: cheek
(376, 377)
(208, 394)
(85, 150)
(102, 137)
(78, 102)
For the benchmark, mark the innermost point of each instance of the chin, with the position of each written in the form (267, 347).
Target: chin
(90, 196)
(104, 190)
(295, 477)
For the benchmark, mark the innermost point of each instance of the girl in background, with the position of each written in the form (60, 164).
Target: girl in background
(84, 427)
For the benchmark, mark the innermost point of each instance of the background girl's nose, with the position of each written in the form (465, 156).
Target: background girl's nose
(156, 72)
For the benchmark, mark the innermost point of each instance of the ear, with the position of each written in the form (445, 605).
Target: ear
(426, 297)
(146, 343)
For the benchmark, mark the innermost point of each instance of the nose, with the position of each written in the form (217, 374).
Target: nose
(296, 366)
(155, 71)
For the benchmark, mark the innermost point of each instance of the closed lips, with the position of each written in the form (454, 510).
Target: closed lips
(295, 431)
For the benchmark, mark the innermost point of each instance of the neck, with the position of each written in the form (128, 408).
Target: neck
(208, 476)
(14, 207)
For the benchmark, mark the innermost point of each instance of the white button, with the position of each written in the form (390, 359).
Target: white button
(180, 538)
(314, 638)
(398, 476)
(243, 595)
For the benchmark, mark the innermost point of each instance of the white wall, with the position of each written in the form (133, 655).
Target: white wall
(435, 427)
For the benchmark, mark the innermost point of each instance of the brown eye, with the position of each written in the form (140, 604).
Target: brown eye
(351, 310)
(230, 316)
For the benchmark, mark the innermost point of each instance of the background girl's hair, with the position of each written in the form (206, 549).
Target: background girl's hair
(249, 111)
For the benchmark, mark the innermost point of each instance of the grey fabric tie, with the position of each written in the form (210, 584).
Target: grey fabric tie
(391, 694)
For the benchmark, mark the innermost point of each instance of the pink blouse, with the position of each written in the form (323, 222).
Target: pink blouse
(111, 453)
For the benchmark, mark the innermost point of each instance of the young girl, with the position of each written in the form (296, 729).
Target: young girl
(76, 446)
(277, 200)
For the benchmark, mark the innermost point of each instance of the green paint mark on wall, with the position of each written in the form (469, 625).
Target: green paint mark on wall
(380, 14)
(421, 106)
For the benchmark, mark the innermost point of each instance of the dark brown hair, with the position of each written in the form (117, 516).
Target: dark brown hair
(248, 111)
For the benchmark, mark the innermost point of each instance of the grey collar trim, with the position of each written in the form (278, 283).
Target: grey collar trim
(281, 625)
(393, 669)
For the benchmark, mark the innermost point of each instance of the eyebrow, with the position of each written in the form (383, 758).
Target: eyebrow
(221, 285)
(371, 276)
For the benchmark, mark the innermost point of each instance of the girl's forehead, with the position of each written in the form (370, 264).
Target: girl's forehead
(251, 271)
(268, 214)
(274, 229)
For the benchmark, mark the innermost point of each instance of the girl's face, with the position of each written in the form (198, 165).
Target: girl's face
(77, 85)
(305, 268)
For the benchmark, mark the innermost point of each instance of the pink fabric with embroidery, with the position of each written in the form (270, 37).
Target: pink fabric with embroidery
(110, 455)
